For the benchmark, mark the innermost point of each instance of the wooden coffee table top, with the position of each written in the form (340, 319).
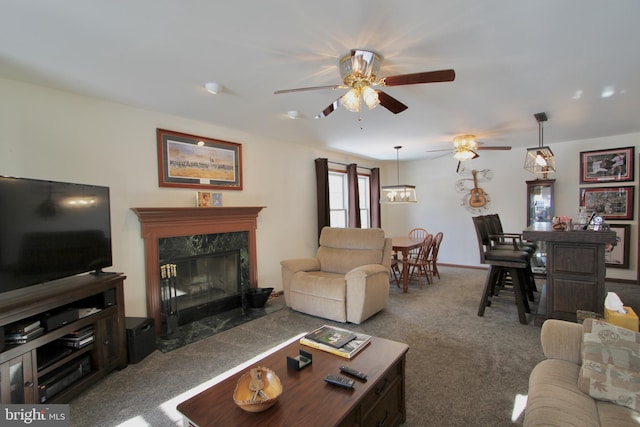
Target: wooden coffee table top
(306, 398)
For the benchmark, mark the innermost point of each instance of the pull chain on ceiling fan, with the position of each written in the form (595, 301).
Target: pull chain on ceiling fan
(359, 71)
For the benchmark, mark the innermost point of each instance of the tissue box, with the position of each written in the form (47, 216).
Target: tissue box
(628, 320)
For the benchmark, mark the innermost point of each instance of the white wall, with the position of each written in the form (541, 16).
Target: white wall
(49, 134)
(439, 208)
(54, 135)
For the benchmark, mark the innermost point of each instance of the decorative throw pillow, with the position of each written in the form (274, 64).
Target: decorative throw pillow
(610, 363)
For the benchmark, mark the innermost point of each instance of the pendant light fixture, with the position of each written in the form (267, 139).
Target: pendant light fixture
(398, 193)
(540, 159)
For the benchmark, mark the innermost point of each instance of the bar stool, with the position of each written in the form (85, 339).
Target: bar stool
(501, 261)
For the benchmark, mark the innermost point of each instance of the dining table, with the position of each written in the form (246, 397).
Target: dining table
(404, 244)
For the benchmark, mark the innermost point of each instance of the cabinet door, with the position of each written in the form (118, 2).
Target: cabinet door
(112, 351)
(16, 380)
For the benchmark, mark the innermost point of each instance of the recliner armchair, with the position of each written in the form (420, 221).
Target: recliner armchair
(347, 281)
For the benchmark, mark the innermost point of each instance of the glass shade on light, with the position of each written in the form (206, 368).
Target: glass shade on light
(398, 194)
(463, 155)
(351, 99)
(540, 160)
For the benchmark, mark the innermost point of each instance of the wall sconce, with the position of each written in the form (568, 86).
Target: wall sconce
(398, 193)
(540, 159)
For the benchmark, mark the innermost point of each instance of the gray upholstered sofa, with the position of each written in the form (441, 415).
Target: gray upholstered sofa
(347, 281)
(555, 397)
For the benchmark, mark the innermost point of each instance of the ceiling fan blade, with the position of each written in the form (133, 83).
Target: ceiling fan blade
(425, 77)
(435, 151)
(390, 103)
(494, 147)
(303, 89)
(330, 109)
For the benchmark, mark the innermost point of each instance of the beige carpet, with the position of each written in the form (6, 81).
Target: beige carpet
(461, 369)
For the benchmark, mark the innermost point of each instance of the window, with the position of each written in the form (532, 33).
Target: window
(338, 202)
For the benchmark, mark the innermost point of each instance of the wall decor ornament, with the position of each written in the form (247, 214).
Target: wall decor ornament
(603, 166)
(617, 255)
(608, 202)
(190, 161)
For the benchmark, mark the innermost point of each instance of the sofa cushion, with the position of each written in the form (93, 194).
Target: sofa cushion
(610, 363)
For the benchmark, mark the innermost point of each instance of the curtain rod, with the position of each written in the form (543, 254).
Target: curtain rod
(346, 164)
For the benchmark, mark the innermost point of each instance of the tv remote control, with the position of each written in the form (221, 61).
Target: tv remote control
(339, 380)
(354, 372)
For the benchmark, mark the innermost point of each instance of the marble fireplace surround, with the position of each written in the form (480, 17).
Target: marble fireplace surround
(156, 223)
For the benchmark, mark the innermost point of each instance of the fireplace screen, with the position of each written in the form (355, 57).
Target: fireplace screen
(201, 276)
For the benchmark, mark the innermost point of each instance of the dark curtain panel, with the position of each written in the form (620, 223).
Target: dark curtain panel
(375, 198)
(322, 185)
(353, 196)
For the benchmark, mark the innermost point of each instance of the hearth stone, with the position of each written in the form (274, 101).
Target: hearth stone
(204, 328)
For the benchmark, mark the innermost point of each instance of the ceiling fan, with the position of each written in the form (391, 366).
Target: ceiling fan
(465, 147)
(359, 71)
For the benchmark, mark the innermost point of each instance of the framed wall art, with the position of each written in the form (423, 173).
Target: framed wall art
(617, 255)
(601, 166)
(608, 202)
(191, 161)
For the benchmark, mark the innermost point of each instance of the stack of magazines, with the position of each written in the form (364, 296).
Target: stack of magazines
(23, 332)
(341, 342)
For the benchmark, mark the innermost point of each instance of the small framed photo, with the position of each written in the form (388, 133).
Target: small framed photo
(204, 199)
(608, 202)
(601, 166)
(616, 255)
(191, 161)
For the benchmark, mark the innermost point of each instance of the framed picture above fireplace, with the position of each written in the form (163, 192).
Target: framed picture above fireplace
(191, 161)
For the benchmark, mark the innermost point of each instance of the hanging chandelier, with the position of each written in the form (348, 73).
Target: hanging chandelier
(398, 193)
(540, 159)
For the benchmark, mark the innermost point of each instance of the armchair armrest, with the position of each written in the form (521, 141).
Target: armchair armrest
(301, 264)
(365, 271)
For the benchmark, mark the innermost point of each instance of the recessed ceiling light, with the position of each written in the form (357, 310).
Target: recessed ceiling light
(213, 88)
(293, 114)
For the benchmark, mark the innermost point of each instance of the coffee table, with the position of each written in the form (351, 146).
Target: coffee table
(306, 399)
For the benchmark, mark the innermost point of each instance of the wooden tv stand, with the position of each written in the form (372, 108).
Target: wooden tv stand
(19, 374)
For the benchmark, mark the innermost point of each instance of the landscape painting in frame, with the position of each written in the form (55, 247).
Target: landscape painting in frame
(617, 255)
(600, 166)
(608, 202)
(191, 161)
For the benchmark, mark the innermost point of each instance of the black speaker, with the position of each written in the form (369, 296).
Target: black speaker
(141, 338)
(108, 298)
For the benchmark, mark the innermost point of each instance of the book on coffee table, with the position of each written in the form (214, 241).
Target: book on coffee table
(327, 338)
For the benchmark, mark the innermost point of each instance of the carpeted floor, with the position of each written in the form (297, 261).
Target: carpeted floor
(461, 369)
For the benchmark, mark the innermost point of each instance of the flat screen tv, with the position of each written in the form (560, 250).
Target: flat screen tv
(50, 230)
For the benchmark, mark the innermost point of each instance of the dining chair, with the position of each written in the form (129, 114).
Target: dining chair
(419, 265)
(433, 257)
(417, 234)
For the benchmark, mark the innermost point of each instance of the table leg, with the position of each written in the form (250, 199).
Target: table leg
(405, 270)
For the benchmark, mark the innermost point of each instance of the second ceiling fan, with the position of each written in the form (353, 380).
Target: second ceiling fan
(465, 147)
(359, 71)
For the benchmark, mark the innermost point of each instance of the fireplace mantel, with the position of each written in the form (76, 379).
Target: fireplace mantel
(156, 223)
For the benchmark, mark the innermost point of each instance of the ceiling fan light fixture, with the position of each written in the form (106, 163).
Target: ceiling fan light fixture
(370, 97)
(540, 159)
(400, 193)
(463, 155)
(351, 100)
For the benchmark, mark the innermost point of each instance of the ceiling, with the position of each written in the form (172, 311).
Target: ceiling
(576, 60)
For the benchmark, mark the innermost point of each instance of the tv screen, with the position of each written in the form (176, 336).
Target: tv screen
(50, 230)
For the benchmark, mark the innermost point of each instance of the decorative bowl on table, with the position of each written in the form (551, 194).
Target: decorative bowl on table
(250, 401)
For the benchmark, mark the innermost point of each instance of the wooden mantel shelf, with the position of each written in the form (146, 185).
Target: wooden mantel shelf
(156, 223)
